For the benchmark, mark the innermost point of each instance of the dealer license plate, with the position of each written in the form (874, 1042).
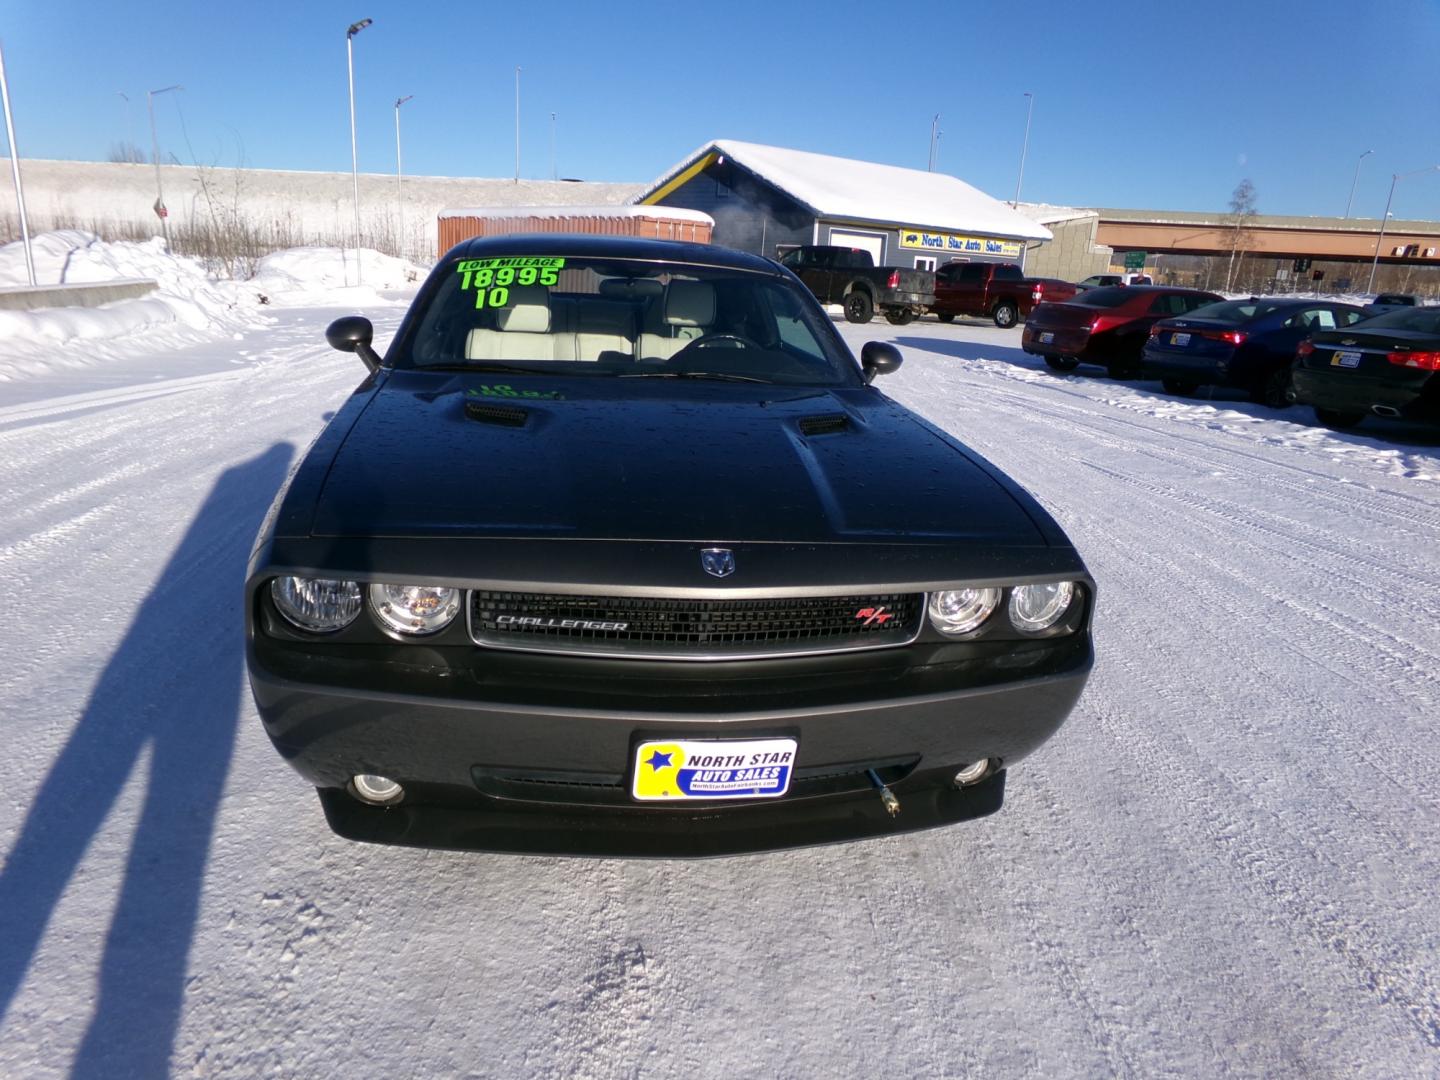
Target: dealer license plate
(674, 770)
(1046, 338)
(1179, 339)
(1345, 359)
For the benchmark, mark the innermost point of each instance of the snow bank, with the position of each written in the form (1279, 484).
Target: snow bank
(316, 276)
(188, 306)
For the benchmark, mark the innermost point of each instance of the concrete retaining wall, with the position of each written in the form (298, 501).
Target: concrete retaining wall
(293, 208)
(52, 296)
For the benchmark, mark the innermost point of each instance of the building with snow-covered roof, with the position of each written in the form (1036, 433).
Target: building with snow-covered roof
(767, 199)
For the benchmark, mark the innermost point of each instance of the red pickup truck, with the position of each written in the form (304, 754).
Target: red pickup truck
(999, 291)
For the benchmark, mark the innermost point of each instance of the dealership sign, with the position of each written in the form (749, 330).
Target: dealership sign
(959, 245)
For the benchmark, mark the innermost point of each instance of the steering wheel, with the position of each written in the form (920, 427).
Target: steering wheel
(705, 341)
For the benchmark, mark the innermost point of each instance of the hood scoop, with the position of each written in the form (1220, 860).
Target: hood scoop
(501, 415)
(827, 424)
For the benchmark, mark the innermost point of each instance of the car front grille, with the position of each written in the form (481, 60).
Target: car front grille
(640, 627)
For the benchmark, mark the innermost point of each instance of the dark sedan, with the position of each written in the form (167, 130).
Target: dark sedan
(618, 551)
(1245, 343)
(1388, 366)
(1106, 326)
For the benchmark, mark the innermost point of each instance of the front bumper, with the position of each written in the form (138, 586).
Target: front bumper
(531, 753)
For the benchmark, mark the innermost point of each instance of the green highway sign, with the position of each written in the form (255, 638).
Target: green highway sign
(1135, 260)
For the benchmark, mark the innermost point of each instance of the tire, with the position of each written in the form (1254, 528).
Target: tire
(945, 316)
(1006, 314)
(1062, 363)
(1179, 387)
(1270, 391)
(859, 308)
(1333, 418)
(899, 316)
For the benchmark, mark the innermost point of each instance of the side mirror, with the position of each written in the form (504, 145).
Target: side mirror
(353, 333)
(879, 358)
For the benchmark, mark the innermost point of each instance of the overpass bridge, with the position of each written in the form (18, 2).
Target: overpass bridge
(1177, 232)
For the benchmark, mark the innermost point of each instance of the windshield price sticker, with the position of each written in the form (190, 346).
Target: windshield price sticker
(674, 770)
(491, 278)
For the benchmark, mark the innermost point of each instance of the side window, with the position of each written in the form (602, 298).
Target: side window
(1349, 318)
(1169, 304)
(1309, 319)
(790, 323)
(1008, 273)
(1190, 303)
(972, 272)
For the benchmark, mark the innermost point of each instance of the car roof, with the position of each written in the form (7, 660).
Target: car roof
(586, 245)
(1150, 290)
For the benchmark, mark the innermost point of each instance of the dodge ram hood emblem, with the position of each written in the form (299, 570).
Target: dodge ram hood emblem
(718, 562)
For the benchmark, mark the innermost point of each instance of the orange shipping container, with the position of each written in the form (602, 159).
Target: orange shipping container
(652, 222)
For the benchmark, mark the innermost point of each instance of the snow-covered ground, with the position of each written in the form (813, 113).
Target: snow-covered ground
(1225, 863)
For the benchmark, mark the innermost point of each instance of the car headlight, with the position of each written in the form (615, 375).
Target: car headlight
(414, 610)
(959, 611)
(1036, 608)
(320, 605)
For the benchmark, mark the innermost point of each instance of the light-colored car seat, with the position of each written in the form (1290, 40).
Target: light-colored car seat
(522, 329)
(689, 310)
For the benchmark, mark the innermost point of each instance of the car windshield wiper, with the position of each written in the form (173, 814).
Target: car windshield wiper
(717, 376)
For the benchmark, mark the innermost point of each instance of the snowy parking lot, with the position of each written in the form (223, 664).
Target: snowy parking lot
(1225, 863)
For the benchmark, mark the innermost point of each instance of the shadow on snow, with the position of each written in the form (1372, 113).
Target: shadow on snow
(172, 687)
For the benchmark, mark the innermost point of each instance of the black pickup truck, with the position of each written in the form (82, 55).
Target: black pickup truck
(849, 277)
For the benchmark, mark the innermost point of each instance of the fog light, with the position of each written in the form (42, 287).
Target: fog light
(378, 790)
(971, 774)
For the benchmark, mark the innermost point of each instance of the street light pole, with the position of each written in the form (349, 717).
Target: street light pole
(934, 126)
(1025, 146)
(1351, 200)
(399, 192)
(1394, 179)
(553, 174)
(15, 169)
(354, 29)
(163, 213)
(517, 123)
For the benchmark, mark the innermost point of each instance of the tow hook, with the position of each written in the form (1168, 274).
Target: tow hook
(892, 804)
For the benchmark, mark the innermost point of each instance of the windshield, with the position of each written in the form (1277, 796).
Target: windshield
(1109, 297)
(1235, 311)
(624, 317)
(1422, 319)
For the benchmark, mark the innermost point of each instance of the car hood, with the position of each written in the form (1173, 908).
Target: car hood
(655, 459)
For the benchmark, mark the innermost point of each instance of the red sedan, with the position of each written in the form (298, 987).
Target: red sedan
(1107, 326)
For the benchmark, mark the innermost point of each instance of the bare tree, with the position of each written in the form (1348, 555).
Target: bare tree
(126, 152)
(1242, 210)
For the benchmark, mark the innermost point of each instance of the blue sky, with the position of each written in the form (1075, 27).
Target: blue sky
(1162, 105)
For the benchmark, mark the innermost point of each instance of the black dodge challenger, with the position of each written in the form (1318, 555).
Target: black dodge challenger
(616, 551)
